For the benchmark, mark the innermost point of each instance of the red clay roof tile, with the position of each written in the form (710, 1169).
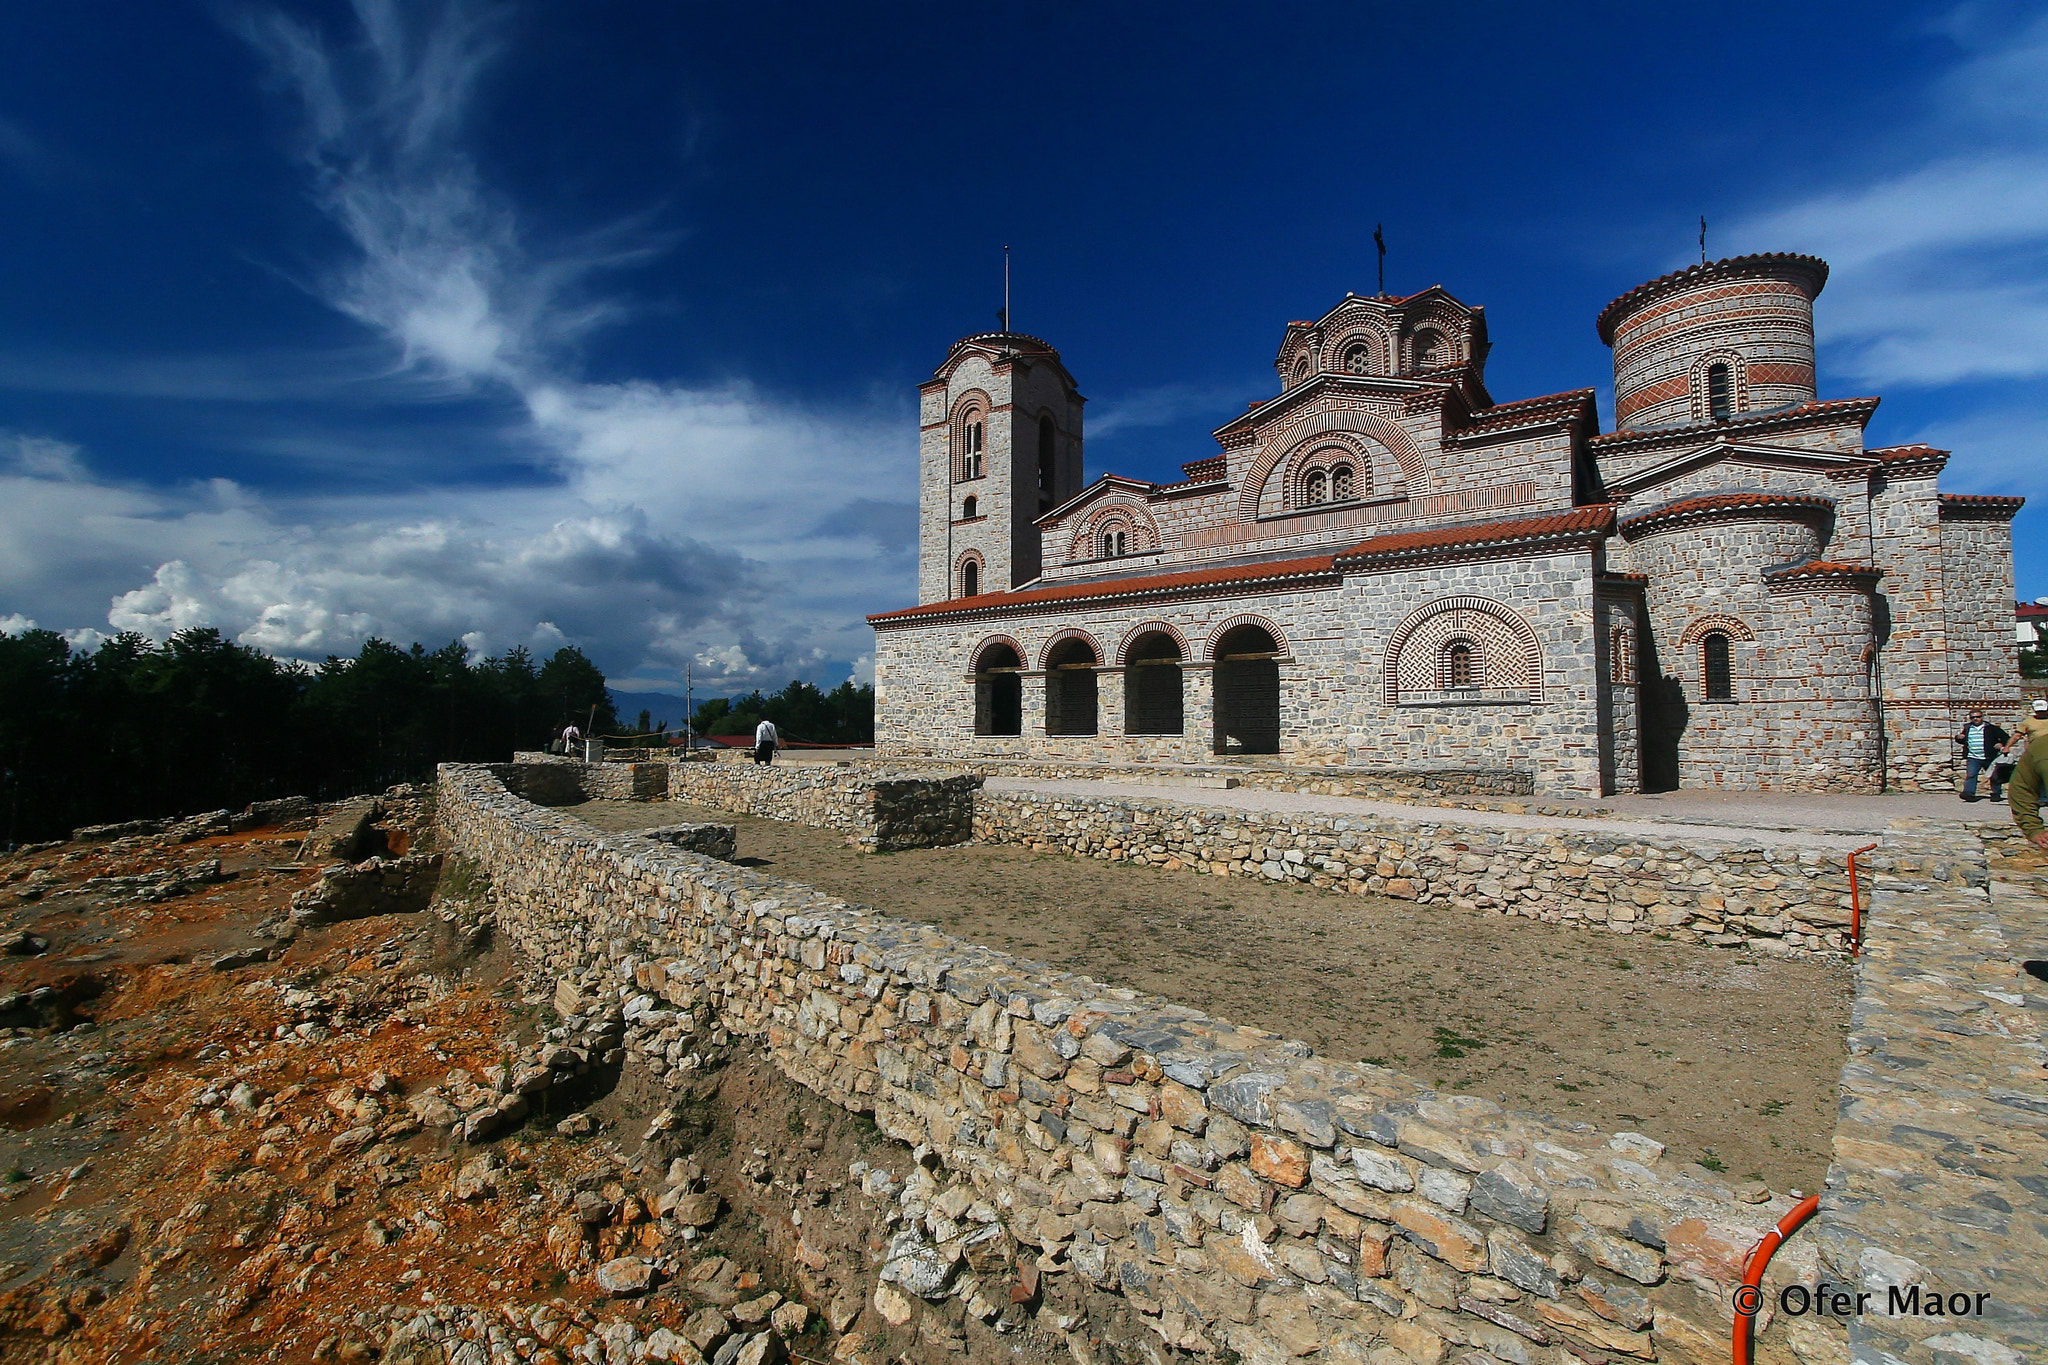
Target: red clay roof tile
(1578, 521)
(1116, 587)
(1714, 502)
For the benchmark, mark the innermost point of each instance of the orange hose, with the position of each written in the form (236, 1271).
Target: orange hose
(1856, 902)
(1749, 1296)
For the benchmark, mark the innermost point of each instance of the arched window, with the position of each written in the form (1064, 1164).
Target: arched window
(1152, 686)
(971, 441)
(1342, 484)
(968, 509)
(1246, 684)
(998, 691)
(1621, 655)
(1301, 369)
(1358, 358)
(970, 579)
(1314, 489)
(1716, 672)
(1460, 665)
(1046, 439)
(1113, 542)
(1720, 394)
(1429, 350)
(1070, 688)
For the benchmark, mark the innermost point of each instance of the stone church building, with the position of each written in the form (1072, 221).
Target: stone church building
(1384, 568)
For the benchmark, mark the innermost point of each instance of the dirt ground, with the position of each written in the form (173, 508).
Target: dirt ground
(1730, 1059)
(203, 1162)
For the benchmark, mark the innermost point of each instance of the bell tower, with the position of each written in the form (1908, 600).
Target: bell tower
(999, 445)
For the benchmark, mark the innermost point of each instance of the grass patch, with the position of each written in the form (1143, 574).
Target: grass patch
(1450, 1043)
(1770, 1109)
(1712, 1162)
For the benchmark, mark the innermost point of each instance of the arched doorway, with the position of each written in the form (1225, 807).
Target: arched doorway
(1152, 685)
(1247, 691)
(998, 690)
(1070, 688)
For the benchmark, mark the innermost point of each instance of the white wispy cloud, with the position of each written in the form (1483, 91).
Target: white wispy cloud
(716, 526)
(1940, 264)
(1164, 405)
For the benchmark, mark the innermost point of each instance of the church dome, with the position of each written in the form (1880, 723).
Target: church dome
(1711, 342)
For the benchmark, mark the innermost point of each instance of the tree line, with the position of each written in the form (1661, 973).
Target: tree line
(845, 715)
(135, 729)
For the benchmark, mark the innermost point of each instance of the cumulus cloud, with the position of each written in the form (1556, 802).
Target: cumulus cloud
(703, 525)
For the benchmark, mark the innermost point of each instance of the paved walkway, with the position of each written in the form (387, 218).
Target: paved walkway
(1720, 817)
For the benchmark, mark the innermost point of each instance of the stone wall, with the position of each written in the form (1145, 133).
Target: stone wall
(1330, 780)
(878, 811)
(1936, 1185)
(544, 779)
(1238, 1191)
(1776, 898)
(1335, 704)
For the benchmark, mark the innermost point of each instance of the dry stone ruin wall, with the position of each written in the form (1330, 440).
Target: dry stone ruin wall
(1775, 898)
(1236, 1190)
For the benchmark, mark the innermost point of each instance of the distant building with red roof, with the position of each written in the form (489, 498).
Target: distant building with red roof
(1382, 567)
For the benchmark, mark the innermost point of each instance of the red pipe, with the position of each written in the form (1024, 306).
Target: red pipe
(1749, 1296)
(1856, 902)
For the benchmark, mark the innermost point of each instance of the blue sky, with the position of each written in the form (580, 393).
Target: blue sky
(599, 323)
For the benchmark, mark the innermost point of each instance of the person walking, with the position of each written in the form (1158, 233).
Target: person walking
(2029, 776)
(2033, 728)
(572, 740)
(2029, 733)
(766, 742)
(1981, 743)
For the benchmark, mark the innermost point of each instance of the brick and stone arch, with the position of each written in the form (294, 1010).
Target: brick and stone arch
(1732, 626)
(1315, 474)
(998, 665)
(1431, 346)
(1247, 651)
(970, 575)
(1071, 660)
(1362, 350)
(1383, 448)
(1300, 360)
(1621, 654)
(1151, 656)
(970, 435)
(1140, 532)
(1495, 643)
(1708, 642)
(1719, 397)
(1156, 648)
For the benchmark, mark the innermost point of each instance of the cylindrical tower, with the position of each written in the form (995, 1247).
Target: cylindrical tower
(1712, 342)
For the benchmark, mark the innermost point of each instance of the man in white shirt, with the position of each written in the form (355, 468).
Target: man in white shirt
(572, 740)
(766, 741)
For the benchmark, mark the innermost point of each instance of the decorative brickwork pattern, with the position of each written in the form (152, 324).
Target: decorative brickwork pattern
(1382, 478)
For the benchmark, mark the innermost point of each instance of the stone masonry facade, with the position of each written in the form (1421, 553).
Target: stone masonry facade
(1384, 568)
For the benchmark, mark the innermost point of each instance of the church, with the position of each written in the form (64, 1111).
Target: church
(1383, 568)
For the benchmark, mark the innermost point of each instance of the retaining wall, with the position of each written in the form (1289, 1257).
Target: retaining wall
(877, 810)
(1939, 1184)
(1324, 780)
(1774, 897)
(1238, 1191)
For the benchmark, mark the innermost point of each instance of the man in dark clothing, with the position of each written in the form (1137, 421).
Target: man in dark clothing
(1981, 744)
